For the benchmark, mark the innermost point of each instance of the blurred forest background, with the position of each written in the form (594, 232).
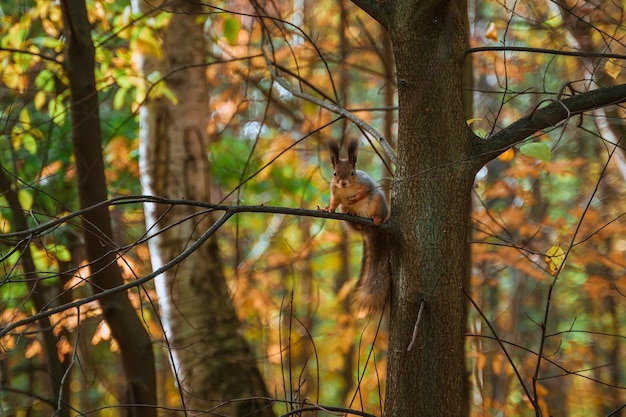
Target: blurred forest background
(553, 204)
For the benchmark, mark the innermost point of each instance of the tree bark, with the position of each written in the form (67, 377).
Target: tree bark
(430, 212)
(438, 158)
(212, 360)
(127, 329)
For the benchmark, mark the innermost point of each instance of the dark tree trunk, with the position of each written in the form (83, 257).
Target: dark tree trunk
(430, 209)
(438, 157)
(127, 329)
(430, 214)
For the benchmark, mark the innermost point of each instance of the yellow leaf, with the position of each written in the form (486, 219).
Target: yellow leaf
(554, 259)
(612, 68)
(39, 99)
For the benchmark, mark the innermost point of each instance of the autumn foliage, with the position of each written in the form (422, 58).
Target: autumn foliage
(547, 297)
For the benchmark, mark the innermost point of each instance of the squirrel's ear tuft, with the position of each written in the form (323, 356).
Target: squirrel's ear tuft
(353, 147)
(333, 148)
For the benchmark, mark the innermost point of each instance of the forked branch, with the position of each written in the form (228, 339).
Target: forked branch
(545, 117)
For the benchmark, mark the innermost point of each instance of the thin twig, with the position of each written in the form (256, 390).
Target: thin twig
(417, 322)
(333, 108)
(506, 353)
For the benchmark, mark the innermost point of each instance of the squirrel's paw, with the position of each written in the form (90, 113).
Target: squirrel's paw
(377, 220)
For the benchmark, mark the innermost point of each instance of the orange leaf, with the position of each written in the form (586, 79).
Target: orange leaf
(491, 32)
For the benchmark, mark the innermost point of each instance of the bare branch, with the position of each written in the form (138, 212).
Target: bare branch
(25, 52)
(548, 116)
(338, 410)
(229, 212)
(531, 398)
(580, 54)
(333, 108)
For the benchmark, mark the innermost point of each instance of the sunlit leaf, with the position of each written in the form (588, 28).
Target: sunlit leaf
(57, 111)
(507, 155)
(17, 35)
(554, 259)
(154, 77)
(64, 347)
(25, 198)
(25, 117)
(232, 25)
(29, 143)
(145, 42)
(33, 349)
(59, 251)
(492, 32)
(103, 332)
(536, 150)
(39, 100)
(119, 98)
(612, 68)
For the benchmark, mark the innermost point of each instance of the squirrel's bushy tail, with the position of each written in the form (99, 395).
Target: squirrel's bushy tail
(372, 288)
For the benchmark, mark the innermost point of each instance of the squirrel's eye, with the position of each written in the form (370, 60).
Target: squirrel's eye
(334, 174)
(352, 173)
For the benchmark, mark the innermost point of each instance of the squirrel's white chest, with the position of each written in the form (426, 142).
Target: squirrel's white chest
(343, 194)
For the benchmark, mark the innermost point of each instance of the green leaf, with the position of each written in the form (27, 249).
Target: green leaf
(231, 29)
(57, 111)
(154, 77)
(59, 251)
(29, 143)
(25, 198)
(537, 150)
(45, 81)
(119, 98)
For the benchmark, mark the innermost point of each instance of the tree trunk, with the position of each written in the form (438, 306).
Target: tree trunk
(430, 211)
(127, 329)
(212, 361)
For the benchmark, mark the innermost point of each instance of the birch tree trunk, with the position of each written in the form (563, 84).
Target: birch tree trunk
(212, 360)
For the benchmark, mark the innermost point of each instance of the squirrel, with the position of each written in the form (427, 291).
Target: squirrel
(356, 193)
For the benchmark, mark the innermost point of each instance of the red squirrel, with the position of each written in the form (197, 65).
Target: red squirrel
(356, 193)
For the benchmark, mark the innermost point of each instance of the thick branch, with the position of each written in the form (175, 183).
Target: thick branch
(548, 116)
(376, 9)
